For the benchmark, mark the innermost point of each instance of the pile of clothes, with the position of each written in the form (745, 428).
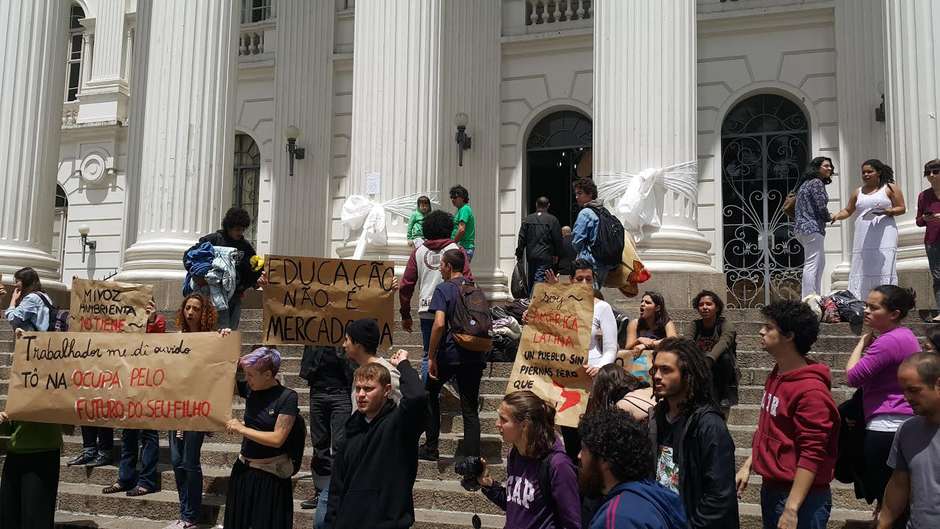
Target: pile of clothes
(215, 267)
(506, 330)
(838, 307)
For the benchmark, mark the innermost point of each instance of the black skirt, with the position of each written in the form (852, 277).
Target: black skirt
(258, 500)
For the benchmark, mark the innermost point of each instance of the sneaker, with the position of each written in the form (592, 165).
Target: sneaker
(178, 524)
(428, 454)
(311, 503)
(100, 461)
(80, 459)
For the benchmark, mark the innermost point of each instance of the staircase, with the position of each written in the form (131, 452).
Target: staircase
(440, 502)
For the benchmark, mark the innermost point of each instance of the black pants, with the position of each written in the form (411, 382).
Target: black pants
(468, 386)
(572, 442)
(97, 441)
(877, 471)
(28, 490)
(329, 411)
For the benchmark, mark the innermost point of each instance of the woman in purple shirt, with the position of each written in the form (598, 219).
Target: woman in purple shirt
(541, 489)
(928, 216)
(873, 367)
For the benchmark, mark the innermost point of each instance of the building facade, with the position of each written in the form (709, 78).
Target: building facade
(140, 123)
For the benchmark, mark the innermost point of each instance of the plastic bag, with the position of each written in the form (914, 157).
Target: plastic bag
(850, 309)
(519, 285)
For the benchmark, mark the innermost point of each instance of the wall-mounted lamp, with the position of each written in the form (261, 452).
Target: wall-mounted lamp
(91, 245)
(880, 110)
(294, 152)
(463, 141)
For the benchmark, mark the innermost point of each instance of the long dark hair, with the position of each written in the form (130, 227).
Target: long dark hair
(885, 172)
(812, 170)
(662, 315)
(30, 281)
(540, 430)
(696, 374)
(611, 383)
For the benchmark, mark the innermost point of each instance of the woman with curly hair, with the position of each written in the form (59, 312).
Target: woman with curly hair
(196, 314)
(537, 465)
(614, 387)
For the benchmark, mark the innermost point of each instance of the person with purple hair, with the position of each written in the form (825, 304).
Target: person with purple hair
(260, 493)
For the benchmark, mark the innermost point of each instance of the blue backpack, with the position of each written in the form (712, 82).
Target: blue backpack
(58, 319)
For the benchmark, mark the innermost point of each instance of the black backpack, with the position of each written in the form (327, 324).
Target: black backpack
(58, 319)
(297, 438)
(607, 248)
(471, 321)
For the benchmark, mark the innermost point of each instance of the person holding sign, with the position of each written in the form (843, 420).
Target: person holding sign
(30, 480)
(29, 308)
(260, 492)
(541, 488)
(374, 473)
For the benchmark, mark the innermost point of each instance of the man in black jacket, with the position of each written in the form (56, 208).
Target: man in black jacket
(374, 472)
(694, 452)
(540, 241)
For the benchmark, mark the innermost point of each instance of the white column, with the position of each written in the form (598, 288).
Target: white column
(860, 82)
(396, 126)
(186, 157)
(645, 113)
(303, 88)
(912, 71)
(104, 94)
(109, 37)
(33, 38)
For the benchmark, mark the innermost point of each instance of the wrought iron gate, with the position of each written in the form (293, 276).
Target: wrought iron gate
(764, 150)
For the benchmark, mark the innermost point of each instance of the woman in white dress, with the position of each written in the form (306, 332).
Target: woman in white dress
(874, 252)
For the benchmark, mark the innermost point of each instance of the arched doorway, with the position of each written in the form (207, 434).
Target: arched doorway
(557, 145)
(764, 150)
(247, 180)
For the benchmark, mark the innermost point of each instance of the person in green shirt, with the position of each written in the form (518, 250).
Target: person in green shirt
(464, 223)
(416, 221)
(30, 481)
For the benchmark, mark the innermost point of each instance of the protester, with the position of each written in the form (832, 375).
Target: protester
(29, 305)
(653, 325)
(423, 272)
(447, 360)
(928, 216)
(809, 226)
(414, 232)
(586, 230)
(464, 232)
(795, 446)
(932, 339)
(694, 451)
(716, 336)
(568, 253)
(915, 453)
(374, 472)
(539, 242)
(30, 481)
(617, 462)
(884, 348)
(614, 387)
(328, 373)
(541, 488)
(361, 345)
(260, 492)
(874, 252)
(196, 314)
(232, 235)
(139, 445)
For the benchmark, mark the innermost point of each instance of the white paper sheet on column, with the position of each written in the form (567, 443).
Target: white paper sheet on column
(639, 196)
(368, 217)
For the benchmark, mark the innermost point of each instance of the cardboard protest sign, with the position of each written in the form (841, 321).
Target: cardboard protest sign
(178, 381)
(309, 300)
(108, 306)
(553, 348)
(639, 366)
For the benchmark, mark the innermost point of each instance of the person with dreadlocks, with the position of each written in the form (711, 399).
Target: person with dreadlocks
(693, 451)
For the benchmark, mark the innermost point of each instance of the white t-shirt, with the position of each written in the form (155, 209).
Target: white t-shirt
(603, 348)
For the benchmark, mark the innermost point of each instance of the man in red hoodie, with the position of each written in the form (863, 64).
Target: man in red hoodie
(794, 447)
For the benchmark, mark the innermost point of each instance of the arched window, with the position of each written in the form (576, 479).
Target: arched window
(73, 70)
(247, 180)
(558, 150)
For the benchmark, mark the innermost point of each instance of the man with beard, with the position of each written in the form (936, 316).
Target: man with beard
(694, 453)
(617, 462)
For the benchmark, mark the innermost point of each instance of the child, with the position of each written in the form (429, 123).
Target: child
(415, 234)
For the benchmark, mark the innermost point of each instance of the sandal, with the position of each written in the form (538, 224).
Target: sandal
(113, 489)
(139, 491)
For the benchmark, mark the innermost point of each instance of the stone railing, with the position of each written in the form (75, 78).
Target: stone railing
(252, 36)
(557, 13)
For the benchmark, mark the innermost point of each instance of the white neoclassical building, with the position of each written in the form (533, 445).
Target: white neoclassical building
(140, 122)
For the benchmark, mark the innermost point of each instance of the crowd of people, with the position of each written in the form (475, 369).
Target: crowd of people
(651, 451)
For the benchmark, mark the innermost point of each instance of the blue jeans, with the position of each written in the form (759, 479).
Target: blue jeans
(319, 517)
(813, 514)
(537, 274)
(146, 443)
(97, 441)
(229, 319)
(600, 275)
(426, 325)
(469, 252)
(184, 454)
